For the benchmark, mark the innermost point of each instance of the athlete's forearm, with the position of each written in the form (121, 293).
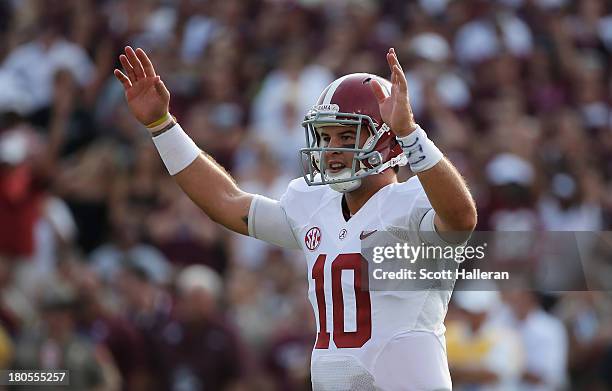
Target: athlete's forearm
(216, 193)
(450, 197)
(200, 177)
(445, 188)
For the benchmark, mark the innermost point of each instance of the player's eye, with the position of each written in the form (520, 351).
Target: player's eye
(348, 138)
(325, 140)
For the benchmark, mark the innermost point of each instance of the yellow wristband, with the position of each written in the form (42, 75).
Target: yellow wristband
(159, 121)
(161, 125)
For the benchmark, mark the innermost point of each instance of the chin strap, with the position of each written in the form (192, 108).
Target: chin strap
(346, 186)
(399, 160)
(343, 187)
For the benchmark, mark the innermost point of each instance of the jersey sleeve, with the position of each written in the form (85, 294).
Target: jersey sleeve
(422, 219)
(269, 222)
(419, 217)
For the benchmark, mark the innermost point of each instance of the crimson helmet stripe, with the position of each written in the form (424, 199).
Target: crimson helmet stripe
(331, 90)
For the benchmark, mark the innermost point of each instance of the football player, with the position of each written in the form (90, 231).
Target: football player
(360, 129)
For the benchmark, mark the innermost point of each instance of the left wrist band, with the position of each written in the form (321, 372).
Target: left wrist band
(421, 152)
(176, 149)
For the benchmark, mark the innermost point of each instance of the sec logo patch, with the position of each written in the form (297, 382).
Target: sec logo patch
(312, 238)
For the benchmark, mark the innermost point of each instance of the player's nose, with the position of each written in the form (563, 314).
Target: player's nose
(327, 155)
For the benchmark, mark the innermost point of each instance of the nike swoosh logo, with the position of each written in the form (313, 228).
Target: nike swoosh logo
(365, 234)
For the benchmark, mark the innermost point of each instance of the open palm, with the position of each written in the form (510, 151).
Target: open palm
(147, 96)
(395, 109)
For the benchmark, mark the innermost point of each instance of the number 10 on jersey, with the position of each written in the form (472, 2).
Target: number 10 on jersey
(341, 338)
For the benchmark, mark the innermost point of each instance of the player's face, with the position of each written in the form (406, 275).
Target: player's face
(340, 137)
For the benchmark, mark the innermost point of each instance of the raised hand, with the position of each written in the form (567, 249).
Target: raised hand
(395, 109)
(146, 95)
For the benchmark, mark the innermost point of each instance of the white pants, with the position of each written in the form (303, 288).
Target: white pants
(411, 361)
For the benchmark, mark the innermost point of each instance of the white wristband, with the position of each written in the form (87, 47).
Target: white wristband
(176, 148)
(421, 152)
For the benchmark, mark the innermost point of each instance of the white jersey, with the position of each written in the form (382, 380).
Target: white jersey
(361, 334)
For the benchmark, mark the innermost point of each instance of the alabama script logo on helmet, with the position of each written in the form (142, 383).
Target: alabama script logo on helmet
(312, 239)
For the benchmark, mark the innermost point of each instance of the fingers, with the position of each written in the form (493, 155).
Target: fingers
(123, 79)
(378, 91)
(146, 63)
(136, 64)
(393, 77)
(129, 69)
(392, 59)
(398, 78)
(160, 87)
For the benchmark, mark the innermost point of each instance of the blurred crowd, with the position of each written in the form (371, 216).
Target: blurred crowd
(107, 269)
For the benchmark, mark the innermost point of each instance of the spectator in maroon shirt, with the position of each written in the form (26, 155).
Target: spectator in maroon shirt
(124, 342)
(147, 305)
(200, 349)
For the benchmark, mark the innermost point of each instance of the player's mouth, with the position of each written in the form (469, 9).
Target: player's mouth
(335, 167)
